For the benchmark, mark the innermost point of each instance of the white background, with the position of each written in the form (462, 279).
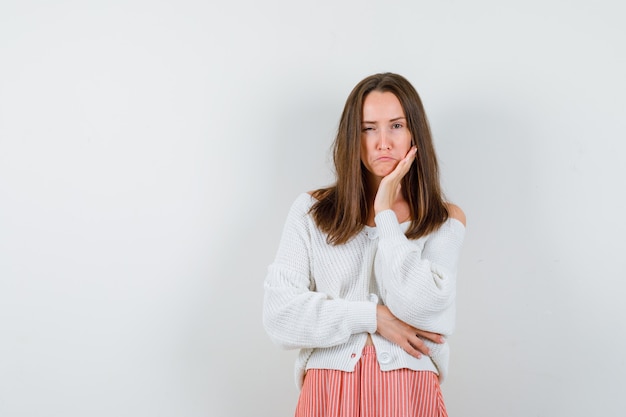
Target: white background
(150, 150)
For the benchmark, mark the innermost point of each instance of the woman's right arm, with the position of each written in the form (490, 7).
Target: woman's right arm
(295, 315)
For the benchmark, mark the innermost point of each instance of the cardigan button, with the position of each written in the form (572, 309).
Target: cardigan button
(384, 357)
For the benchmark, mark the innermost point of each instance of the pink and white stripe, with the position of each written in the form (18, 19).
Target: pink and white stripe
(370, 392)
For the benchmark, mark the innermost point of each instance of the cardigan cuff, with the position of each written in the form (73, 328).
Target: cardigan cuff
(387, 224)
(362, 317)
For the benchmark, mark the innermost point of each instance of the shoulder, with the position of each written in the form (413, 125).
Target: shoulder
(320, 194)
(456, 212)
(303, 202)
(298, 216)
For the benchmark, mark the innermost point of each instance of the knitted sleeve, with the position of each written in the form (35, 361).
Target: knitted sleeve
(294, 314)
(419, 284)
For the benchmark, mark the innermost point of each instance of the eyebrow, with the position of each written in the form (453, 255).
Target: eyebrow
(391, 120)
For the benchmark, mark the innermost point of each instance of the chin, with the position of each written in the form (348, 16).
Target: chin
(381, 174)
(385, 170)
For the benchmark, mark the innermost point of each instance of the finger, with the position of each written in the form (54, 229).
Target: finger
(411, 350)
(419, 345)
(433, 337)
(405, 163)
(410, 155)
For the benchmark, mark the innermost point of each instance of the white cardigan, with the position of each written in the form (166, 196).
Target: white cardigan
(322, 298)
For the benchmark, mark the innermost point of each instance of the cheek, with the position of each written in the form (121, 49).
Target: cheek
(406, 142)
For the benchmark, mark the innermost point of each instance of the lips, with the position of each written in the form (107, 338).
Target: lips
(385, 158)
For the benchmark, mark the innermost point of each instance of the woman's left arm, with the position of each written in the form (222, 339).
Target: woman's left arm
(417, 284)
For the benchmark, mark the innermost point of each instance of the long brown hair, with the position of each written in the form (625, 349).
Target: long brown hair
(342, 209)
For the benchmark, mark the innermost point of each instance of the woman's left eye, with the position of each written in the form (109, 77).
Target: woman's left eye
(397, 125)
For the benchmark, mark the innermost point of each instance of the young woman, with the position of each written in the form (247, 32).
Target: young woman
(364, 280)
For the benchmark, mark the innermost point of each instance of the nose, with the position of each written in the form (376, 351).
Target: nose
(383, 141)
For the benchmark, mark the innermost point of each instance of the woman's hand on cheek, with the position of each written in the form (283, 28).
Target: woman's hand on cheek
(390, 185)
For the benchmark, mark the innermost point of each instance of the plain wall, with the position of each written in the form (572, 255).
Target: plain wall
(150, 150)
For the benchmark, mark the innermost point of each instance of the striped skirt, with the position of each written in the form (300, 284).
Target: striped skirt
(370, 392)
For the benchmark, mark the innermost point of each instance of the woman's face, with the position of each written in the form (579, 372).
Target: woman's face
(385, 137)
